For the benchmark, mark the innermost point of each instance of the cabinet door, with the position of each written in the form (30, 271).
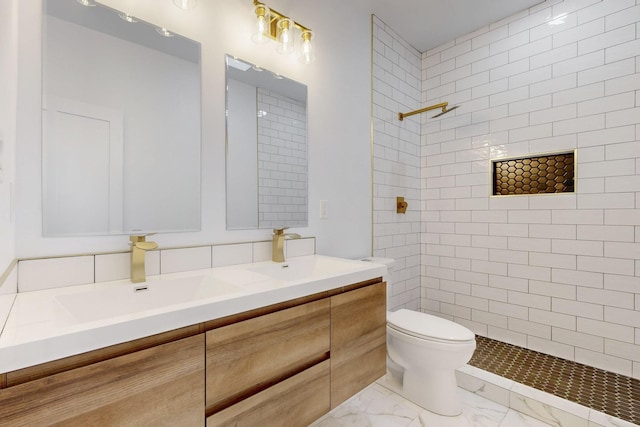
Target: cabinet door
(294, 402)
(162, 385)
(358, 340)
(246, 357)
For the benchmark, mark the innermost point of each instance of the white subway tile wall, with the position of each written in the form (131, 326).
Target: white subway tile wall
(186, 259)
(37, 274)
(398, 79)
(10, 285)
(114, 266)
(554, 273)
(299, 247)
(223, 255)
(282, 160)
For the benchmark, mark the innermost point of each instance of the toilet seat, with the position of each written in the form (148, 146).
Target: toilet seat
(428, 327)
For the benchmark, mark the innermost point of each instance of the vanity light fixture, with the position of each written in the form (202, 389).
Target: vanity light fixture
(164, 32)
(185, 4)
(238, 64)
(127, 17)
(271, 24)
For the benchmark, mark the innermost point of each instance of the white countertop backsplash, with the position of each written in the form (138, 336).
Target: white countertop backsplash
(48, 324)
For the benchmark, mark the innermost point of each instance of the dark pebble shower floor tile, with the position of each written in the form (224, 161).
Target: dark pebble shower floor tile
(614, 394)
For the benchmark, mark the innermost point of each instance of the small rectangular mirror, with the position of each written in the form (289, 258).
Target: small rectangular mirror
(266, 148)
(121, 123)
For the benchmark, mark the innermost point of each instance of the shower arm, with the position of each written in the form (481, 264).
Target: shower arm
(442, 105)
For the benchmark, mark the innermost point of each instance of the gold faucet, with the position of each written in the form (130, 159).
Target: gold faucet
(277, 244)
(138, 247)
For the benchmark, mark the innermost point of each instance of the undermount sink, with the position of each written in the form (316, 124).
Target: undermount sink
(119, 300)
(305, 268)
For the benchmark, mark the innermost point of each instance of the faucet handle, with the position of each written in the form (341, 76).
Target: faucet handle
(280, 230)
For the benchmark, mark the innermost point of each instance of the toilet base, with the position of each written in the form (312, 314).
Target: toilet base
(436, 392)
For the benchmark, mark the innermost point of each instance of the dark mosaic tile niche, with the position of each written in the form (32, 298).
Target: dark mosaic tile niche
(552, 173)
(614, 394)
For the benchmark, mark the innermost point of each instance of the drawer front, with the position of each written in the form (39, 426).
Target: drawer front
(247, 357)
(358, 340)
(296, 401)
(158, 386)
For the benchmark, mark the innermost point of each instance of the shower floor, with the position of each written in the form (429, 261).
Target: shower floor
(614, 394)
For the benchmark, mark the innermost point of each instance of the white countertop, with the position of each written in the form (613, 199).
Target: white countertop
(42, 326)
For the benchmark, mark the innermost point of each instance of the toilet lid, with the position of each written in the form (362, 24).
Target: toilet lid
(424, 325)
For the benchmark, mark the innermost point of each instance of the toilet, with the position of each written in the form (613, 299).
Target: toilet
(423, 353)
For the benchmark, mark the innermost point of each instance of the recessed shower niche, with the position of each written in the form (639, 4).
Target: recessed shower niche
(537, 174)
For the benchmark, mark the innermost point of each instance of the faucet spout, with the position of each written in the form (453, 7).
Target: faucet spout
(277, 244)
(139, 246)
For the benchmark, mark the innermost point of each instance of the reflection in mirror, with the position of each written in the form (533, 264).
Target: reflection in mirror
(266, 148)
(121, 124)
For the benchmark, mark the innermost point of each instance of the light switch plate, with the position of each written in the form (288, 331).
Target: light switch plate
(324, 209)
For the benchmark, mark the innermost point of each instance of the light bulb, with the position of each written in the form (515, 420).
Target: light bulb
(185, 4)
(261, 35)
(285, 38)
(307, 54)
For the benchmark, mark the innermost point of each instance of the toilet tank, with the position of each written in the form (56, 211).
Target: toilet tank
(388, 262)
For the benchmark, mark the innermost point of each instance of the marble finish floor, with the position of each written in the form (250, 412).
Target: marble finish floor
(377, 406)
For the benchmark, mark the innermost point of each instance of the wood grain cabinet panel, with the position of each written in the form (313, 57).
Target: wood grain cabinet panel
(249, 356)
(358, 340)
(162, 385)
(294, 402)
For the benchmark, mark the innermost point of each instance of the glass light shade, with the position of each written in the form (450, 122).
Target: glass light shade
(263, 30)
(185, 4)
(285, 36)
(307, 52)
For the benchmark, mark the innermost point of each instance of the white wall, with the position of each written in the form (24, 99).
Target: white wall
(555, 273)
(339, 143)
(396, 162)
(8, 105)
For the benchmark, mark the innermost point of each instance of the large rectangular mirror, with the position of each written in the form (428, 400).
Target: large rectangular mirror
(121, 118)
(266, 148)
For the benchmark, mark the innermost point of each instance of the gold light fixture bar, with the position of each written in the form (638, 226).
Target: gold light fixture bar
(274, 18)
(442, 105)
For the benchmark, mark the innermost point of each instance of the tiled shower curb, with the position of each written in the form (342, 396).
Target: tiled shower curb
(541, 405)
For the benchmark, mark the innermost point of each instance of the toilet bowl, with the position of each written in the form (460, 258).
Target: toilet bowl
(423, 353)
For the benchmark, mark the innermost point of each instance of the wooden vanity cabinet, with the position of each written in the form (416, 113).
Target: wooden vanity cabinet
(161, 385)
(358, 340)
(275, 365)
(290, 367)
(296, 401)
(281, 365)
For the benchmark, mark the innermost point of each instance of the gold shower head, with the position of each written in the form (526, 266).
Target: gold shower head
(445, 110)
(442, 105)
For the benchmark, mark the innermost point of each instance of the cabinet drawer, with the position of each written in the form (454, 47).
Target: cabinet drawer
(247, 357)
(296, 401)
(358, 340)
(157, 386)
